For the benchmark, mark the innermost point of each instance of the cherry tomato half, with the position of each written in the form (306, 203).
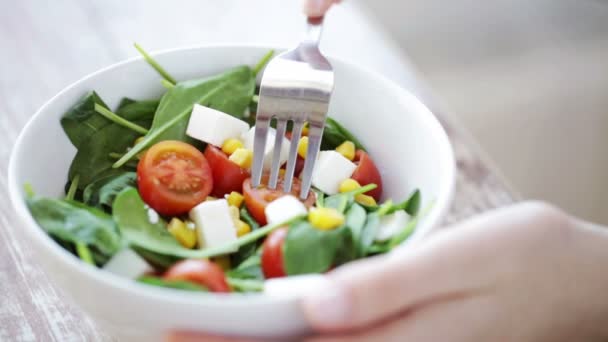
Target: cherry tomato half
(272, 254)
(256, 200)
(173, 177)
(367, 173)
(227, 175)
(199, 271)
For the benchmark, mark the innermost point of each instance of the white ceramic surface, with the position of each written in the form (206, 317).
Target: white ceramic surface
(401, 134)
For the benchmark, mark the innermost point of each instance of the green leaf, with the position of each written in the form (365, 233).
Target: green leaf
(160, 262)
(368, 234)
(250, 268)
(102, 192)
(247, 250)
(245, 285)
(335, 134)
(410, 205)
(355, 221)
(262, 63)
(173, 284)
(81, 121)
(75, 222)
(117, 119)
(343, 201)
(137, 109)
(229, 92)
(154, 64)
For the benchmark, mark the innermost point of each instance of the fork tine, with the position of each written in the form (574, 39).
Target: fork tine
(315, 133)
(293, 155)
(259, 146)
(276, 154)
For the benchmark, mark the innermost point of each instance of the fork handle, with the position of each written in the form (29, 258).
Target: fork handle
(313, 31)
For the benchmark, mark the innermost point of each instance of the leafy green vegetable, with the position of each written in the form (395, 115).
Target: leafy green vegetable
(408, 230)
(75, 222)
(368, 234)
(73, 187)
(84, 253)
(81, 121)
(173, 284)
(155, 64)
(245, 285)
(343, 201)
(160, 262)
(410, 205)
(144, 109)
(249, 249)
(108, 114)
(355, 221)
(335, 134)
(262, 63)
(229, 92)
(102, 192)
(250, 268)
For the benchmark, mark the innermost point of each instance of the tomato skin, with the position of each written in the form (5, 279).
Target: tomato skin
(199, 271)
(256, 200)
(272, 254)
(367, 173)
(227, 175)
(173, 177)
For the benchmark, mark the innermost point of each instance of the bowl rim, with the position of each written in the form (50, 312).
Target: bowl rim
(441, 203)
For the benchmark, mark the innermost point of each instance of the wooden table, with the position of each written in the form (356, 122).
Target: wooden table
(46, 45)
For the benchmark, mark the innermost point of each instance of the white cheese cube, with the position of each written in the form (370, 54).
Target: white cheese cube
(214, 127)
(214, 225)
(391, 224)
(126, 263)
(330, 170)
(294, 286)
(283, 209)
(248, 139)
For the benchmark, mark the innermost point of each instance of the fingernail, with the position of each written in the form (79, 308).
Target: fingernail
(314, 8)
(328, 305)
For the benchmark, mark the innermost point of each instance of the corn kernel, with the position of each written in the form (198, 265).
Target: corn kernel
(325, 218)
(234, 213)
(349, 184)
(242, 228)
(235, 199)
(138, 140)
(347, 149)
(242, 157)
(282, 172)
(184, 235)
(365, 200)
(231, 145)
(223, 262)
(305, 129)
(303, 147)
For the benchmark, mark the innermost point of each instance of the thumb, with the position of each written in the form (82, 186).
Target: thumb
(317, 8)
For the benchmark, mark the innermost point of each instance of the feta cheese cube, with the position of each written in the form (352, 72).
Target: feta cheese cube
(330, 170)
(294, 286)
(214, 127)
(283, 209)
(248, 139)
(392, 224)
(214, 224)
(126, 263)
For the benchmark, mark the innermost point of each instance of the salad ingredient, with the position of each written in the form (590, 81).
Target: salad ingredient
(214, 127)
(367, 173)
(81, 121)
(173, 177)
(343, 201)
(325, 218)
(242, 228)
(231, 145)
(235, 199)
(155, 65)
(127, 263)
(108, 114)
(185, 235)
(292, 287)
(348, 184)
(272, 254)
(223, 262)
(303, 147)
(334, 134)
(173, 284)
(347, 149)
(330, 170)
(248, 139)
(366, 200)
(214, 224)
(143, 109)
(256, 199)
(356, 217)
(242, 157)
(410, 205)
(198, 271)
(391, 224)
(227, 176)
(283, 209)
(102, 192)
(262, 63)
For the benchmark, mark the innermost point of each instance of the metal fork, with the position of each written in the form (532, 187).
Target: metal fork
(296, 86)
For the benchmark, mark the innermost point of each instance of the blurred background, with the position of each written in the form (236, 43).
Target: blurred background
(528, 79)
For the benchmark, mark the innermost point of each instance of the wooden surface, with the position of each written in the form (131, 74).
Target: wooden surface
(44, 46)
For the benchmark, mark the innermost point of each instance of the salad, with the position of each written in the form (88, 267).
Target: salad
(159, 191)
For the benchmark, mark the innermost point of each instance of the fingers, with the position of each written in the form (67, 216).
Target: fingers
(317, 8)
(200, 337)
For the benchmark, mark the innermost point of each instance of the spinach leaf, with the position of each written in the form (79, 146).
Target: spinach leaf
(74, 222)
(81, 121)
(410, 205)
(250, 268)
(137, 110)
(343, 201)
(335, 134)
(245, 285)
(379, 248)
(154, 64)
(355, 221)
(368, 234)
(249, 249)
(160, 262)
(173, 284)
(102, 192)
(229, 92)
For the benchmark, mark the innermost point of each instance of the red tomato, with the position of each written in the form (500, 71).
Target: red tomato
(173, 177)
(272, 254)
(367, 173)
(199, 271)
(256, 200)
(227, 175)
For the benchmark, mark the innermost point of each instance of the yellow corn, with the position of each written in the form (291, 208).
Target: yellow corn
(184, 235)
(231, 145)
(365, 200)
(325, 218)
(305, 129)
(349, 184)
(282, 172)
(242, 157)
(242, 228)
(235, 199)
(234, 213)
(303, 147)
(223, 262)
(347, 149)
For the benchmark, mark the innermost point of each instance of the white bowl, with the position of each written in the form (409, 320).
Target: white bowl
(401, 134)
